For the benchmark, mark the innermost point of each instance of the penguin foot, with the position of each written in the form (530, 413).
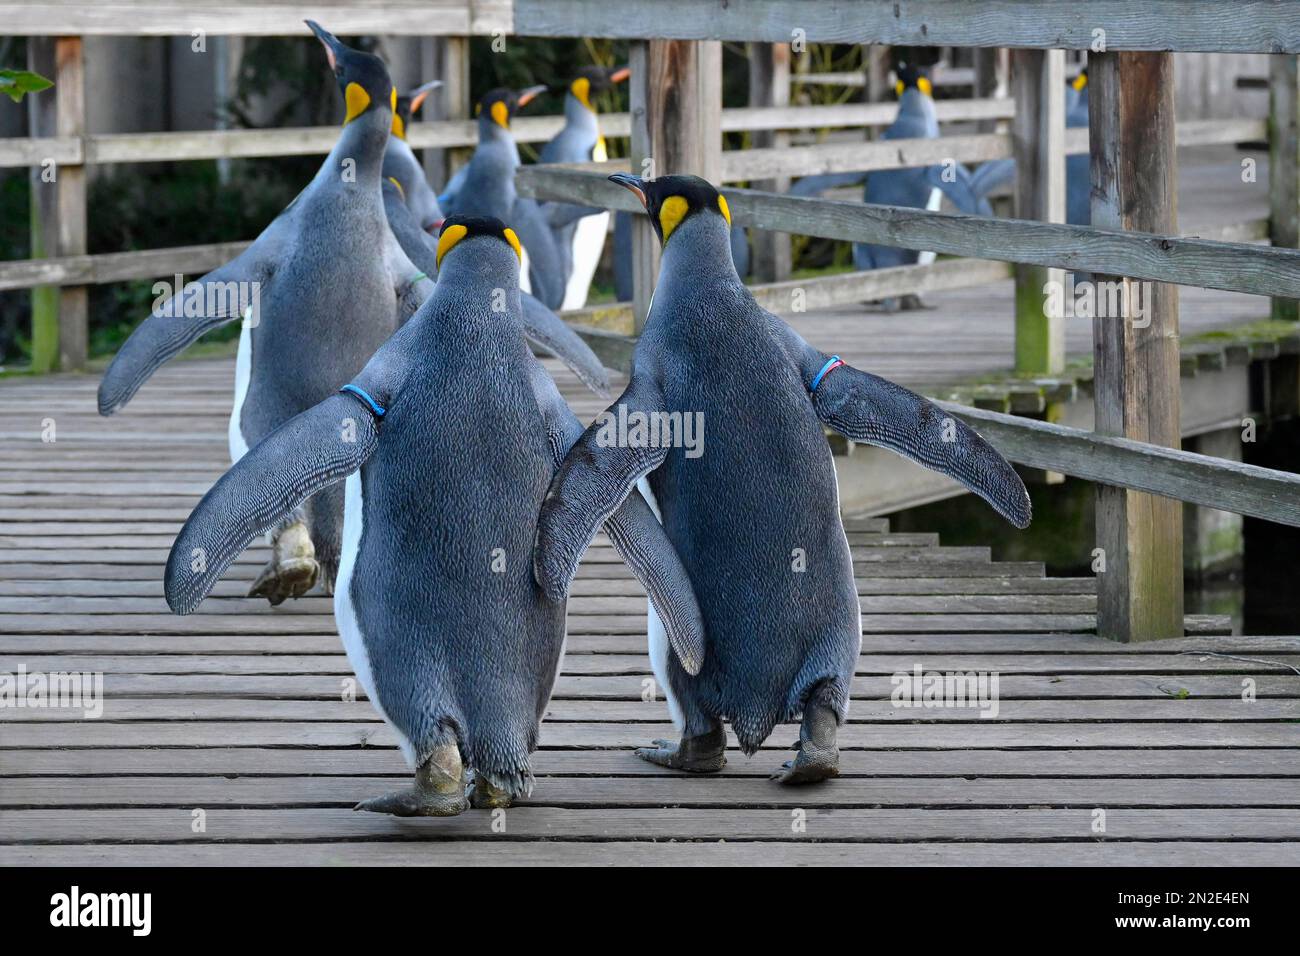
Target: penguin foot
(818, 757)
(485, 796)
(811, 765)
(706, 753)
(292, 570)
(439, 789)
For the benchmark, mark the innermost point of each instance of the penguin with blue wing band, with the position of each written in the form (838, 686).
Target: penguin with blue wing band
(445, 444)
(754, 517)
(319, 290)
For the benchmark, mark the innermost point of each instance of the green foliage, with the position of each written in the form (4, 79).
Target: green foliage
(17, 83)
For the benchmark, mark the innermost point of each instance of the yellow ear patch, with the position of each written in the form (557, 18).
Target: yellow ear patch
(399, 128)
(511, 238)
(357, 100)
(671, 213)
(392, 99)
(581, 88)
(925, 86)
(1080, 82)
(400, 191)
(724, 208)
(450, 236)
(899, 87)
(501, 114)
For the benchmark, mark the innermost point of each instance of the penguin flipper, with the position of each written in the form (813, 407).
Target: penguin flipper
(316, 448)
(635, 533)
(169, 330)
(552, 333)
(876, 411)
(960, 190)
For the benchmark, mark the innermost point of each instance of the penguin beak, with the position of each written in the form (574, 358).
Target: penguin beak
(418, 94)
(333, 48)
(526, 96)
(619, 73)
(630, 182)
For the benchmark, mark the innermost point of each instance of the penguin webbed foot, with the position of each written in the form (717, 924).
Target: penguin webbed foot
(818, 758)
(706, 753)
(439, 789)
(293, 569)
(488, 796)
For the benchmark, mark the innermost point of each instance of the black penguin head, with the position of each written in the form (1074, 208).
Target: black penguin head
(408, 104)
(362, 77)
(456, 229)
(912, 78)
(591, 81)
(669, 200)
(500, 104)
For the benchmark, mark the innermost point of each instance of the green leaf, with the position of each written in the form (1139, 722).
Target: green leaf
(16, 83)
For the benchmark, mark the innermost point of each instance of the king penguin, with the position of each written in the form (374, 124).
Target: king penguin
(920, 187)
(485, 186)
(542, 326)
(581, 243)
(451, 637)
(319, 290)
(401, 164)
(755, 517)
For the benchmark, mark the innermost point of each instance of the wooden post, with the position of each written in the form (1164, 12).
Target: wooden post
(769, 85)
(1136, 377)
(988, 62)
(447, 60)
(1284, 164)
(70, 99)
(1038, 138)
(676, 107)
(44, 212)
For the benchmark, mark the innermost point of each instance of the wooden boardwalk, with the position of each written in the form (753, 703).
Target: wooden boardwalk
(240, 712)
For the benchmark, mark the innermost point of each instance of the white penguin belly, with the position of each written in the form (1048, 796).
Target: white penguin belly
(588, 243)
(655, 631)
(525, 285)
(345, 614)
(933, 204)
(243, 369)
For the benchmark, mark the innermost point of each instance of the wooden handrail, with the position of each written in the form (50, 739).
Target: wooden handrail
(1234, 267)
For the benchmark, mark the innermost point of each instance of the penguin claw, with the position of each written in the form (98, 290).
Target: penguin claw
(809, 766)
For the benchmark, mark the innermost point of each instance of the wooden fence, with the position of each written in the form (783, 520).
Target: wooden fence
(676, 118)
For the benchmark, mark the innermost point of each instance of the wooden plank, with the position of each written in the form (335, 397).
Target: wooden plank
(1257, 26)
(44, 215)
(554, 823)
(616, 853)
(570, 710)
(1149, 764)
(1136, 385)
(117, 266)
(1038, 137)
(653, 792)
(769, 86)
(70, 109)
(243, 18)
(460, 133)
(747, 164)
(1153, 469)
(1212, 265)
(1284, 165)
(643, 61)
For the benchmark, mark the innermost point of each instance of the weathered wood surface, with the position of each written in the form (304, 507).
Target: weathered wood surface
(240, 710)
(1256, 26)
(1161, 258)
